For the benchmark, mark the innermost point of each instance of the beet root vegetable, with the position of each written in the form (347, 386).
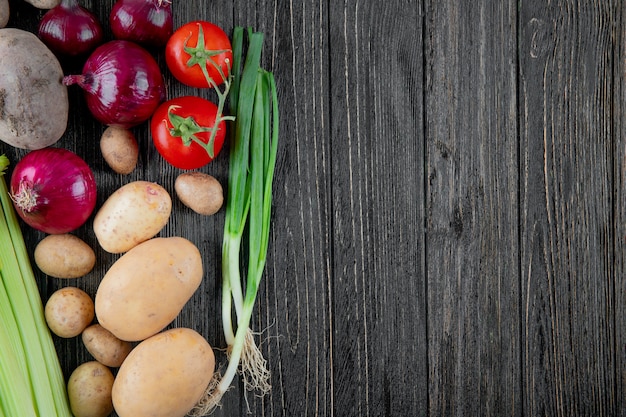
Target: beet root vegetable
(34, 104)
(4, 13)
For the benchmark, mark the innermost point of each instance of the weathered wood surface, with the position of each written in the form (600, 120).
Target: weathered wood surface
(449, 209)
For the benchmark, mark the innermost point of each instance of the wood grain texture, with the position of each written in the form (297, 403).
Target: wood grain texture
(619, 176)
(472, 209)
(449, 211)
(376, 154)
(567, 200)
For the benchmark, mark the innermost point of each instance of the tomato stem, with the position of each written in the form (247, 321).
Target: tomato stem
(201, 56)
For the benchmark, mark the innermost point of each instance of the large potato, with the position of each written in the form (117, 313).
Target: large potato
(34, 104)
(133, 214)
(147, 287)
(164, 376)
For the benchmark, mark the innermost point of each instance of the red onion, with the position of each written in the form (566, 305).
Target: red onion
(70, 29)
(53, 190)
(147, 22)
(123, 84)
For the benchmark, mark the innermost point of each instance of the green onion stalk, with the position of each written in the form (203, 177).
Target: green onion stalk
(31, 379)
(252, 159)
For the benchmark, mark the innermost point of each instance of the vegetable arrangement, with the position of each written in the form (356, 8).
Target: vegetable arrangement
(128, 324)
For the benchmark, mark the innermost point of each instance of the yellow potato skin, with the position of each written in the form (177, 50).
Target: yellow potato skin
(64, 256)
(68, 311)
(164, 376)
(133, 214)
(146, 288)
(89, 390)
(104, 346)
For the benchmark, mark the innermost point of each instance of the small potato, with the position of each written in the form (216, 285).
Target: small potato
(89, 390)
(164, 376)
(146, 288)
(104, 346)
(133, 214)
(69, 311)
(119, 149)
(64, 256)
(200, 192)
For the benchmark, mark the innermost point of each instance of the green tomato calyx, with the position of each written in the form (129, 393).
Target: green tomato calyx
(187, 128)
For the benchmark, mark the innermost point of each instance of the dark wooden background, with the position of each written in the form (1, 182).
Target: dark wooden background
(449, 215)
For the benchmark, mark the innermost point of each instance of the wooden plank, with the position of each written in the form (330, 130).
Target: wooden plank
(567, 200)
(619, 175)
(472, 209)
(376, 157)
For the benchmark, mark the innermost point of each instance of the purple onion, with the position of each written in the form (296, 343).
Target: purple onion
(148, 22)
(53, 190)
(123, 84)
(70, 29)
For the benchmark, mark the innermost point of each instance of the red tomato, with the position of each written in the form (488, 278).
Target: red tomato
(179, 124)
(186, 57)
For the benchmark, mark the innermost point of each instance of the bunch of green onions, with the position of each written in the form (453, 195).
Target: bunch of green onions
(253, 149)
(31, 380)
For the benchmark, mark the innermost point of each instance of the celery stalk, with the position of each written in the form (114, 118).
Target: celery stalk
(28, 337)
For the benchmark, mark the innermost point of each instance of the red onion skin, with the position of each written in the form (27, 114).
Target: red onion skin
(53, 190)
(148, 22)
(70, 29)
(123, 84)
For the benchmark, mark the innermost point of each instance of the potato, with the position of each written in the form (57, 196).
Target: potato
(147, 287)
(69, 311)
(64, 256)
(119, 149)
(200, 192)
(4, 13)
(164, 376)
(44, 4)
(34, 104)
(89, 390)
(104, 346)
(133, 214)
